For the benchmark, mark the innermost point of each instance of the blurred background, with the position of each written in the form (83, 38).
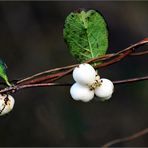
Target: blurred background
(31, 41)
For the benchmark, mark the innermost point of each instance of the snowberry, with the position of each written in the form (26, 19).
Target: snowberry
(105, 89)
(84, 74)
(6, 104)
(80, 92)
(104, 98)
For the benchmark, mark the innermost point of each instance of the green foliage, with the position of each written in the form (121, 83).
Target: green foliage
(86, 34)
(3, 75)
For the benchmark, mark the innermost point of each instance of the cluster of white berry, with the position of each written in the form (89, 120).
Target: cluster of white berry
(88, 84)
(6, 103)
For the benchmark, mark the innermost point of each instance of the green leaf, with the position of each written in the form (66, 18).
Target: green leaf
(3, 75)
(86, 34)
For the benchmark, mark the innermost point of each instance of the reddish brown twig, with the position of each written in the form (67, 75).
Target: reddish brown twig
(130, 80)
(47, 84)
(57, 73)
(126, 139)
(47, 72)
(139, 53)
(120, 57)
(46, 77)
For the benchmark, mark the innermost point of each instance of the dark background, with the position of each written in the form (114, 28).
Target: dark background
(31, 41)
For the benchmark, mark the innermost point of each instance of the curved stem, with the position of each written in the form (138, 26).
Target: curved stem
(125, 139)
(57, 73)
(46, 72)
(17, 87)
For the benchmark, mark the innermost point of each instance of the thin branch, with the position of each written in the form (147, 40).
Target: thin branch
(108, 56)
(121, 56)
(15, 88)
(101, 58)
(130, 80)
(41, 79)
(47, 72)
(69, 84)
(126, 139)
(139, 53)
(46, 77)
(67, 69)
(42, 85)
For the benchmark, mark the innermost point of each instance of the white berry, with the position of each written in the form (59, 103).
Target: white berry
(80, 92)
(6, 104)
(105, 89)
(104, 98)
(84, 74)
